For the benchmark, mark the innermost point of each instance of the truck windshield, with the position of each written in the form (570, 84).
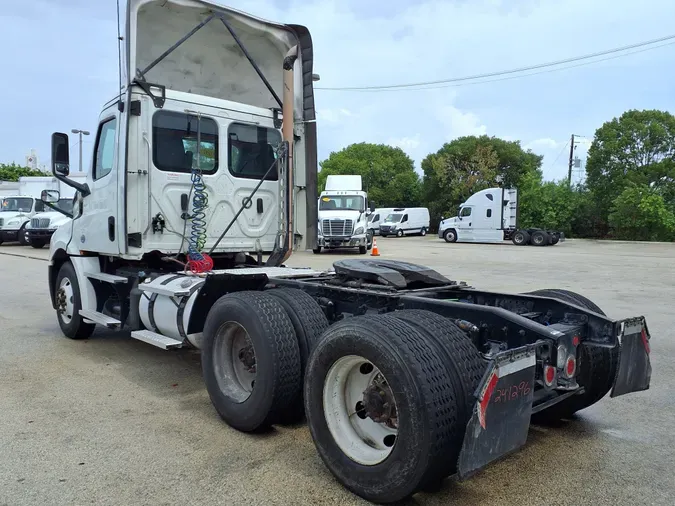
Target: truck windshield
(393, 218)
(341, 203)
(23, 205)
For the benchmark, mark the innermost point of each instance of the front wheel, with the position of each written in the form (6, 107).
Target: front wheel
(317, 250)
(69, 303)
(423, 232)
(363, 250)
(450, 235)
(23, 236)
(399, 233)
(38, 243)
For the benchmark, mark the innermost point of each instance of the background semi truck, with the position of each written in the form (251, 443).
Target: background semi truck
(404, 376)
(491, 216)
(343, 215)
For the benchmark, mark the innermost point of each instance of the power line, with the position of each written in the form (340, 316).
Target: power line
(453, 81)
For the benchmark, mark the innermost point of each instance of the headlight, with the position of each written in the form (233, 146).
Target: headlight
(12, 222)
(358, 231)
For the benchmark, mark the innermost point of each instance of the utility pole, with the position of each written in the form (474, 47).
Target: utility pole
(84, 132)
(571, 162)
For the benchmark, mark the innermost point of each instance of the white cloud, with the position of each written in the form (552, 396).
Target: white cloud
(407, 144)
(544, 143)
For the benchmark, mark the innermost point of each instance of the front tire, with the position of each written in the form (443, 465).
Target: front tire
(423, 232)
(399, 233)
(450, 235)
(37, 243)
(380, 407)
(69, 303)
(250, 360)
(317, 250)
(23, 236)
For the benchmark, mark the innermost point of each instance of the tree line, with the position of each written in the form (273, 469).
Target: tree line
(628, 193)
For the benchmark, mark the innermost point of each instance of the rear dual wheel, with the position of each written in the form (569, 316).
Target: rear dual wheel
(255, 348)
(387, 401)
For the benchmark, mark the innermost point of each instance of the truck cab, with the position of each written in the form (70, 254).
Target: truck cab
(15, 213)
(343, 215)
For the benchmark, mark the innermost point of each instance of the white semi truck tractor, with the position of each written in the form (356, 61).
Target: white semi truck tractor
(203, 182)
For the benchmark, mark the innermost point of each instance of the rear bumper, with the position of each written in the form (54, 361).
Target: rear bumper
(501, 415)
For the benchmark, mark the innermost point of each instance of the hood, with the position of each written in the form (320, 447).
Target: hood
(346, 215)
(449, 220)
(56, 219)
(51, 215)
(8, 215)
(204, 63)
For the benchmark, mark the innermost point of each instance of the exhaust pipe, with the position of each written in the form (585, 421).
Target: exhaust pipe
(287, 135)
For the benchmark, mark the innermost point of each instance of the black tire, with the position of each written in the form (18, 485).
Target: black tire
(464, 367)
(555, 238)
(539, 238)
(384, 235)
(520, 238)
(309, 322)
(596, 366)
(277, 383)
(363, 250)
(38, 243)
(450, 235)
(369, 241)
(23, 236)
(423, 232)
(426, 406)
(76, 328)
(399, 233)
(317, 250)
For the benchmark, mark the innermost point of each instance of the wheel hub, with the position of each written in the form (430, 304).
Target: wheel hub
(379, 404)
(247, 357)
(61, 300)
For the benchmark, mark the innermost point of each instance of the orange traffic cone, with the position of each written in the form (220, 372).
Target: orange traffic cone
(375, 252)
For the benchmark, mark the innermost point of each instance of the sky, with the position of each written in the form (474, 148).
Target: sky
(59, 66)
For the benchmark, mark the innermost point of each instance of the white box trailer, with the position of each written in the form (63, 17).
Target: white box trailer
(491, 216)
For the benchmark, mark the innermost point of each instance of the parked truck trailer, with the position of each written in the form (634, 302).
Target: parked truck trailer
(405, 377)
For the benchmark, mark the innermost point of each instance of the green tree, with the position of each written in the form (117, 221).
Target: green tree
(470, 164)
(388, 174)
(639, 148)
(12, 172)
(640, 213)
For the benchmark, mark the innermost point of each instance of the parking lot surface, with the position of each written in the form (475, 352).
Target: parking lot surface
(111, 420)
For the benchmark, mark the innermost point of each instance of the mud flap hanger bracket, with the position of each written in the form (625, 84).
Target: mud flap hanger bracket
(159, 101)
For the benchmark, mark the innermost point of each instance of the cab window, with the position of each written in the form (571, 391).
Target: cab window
(466, 211)
(251, 150)
(405, 218)
(105, 149)
(174, 142)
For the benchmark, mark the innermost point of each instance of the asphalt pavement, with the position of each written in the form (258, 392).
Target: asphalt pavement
(111, 420)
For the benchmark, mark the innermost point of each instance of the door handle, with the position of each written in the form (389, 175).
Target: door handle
(111, 228)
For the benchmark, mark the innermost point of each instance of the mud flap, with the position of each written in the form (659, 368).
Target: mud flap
(501, 415)
(635, 368)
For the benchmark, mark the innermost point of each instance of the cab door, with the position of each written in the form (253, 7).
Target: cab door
(465, 228)
(97, 228)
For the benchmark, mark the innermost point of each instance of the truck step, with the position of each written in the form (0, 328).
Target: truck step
(163, 290)
(108, 278)
(147, 336)
(100, 318)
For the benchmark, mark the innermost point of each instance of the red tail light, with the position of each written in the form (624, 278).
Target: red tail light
(571, 366)
(549, 375)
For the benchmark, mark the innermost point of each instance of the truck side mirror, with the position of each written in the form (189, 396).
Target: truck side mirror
(372, 208)
(50, 196)
(60, 154)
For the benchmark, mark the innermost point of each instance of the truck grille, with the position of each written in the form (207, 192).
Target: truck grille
(39, 223)
(337, 228)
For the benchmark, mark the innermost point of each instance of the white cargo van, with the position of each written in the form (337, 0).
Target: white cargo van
(406, 221)
(376, 219)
